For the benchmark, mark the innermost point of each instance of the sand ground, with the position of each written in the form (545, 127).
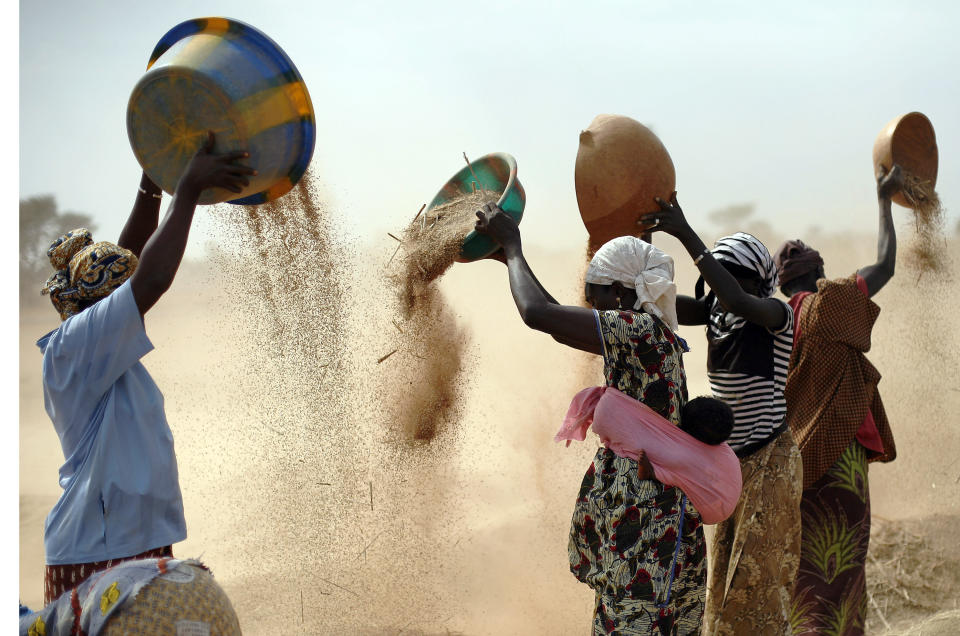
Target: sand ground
(313, 516)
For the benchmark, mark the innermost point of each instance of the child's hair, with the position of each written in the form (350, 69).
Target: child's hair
(707, 419)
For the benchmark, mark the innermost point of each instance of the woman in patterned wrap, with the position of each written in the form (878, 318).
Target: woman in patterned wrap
(121, 494)
(755, 553)
(836, 415)
(638, 543)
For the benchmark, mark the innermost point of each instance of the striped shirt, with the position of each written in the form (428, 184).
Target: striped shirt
(747, 369)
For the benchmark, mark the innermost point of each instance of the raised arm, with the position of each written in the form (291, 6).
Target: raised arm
(574, 326)
(143, 218)
(766, 312)
(500, 256)
(878, 274)
(164, 250)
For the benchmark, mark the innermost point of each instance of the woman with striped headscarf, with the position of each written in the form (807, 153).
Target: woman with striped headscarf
(121, 495)
(755, 553)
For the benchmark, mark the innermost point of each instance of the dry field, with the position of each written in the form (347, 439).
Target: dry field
(317, 516)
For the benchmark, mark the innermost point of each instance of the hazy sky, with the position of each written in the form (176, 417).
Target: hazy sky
(772, 103)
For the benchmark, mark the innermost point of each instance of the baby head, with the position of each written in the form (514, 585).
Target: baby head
(707, 419)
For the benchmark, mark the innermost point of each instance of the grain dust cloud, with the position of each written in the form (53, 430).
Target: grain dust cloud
(323, 507)
(423, 374)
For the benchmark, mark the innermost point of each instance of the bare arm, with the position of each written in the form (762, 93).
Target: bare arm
(878, 274)
(143, 218)
(691, 311)
(164, 250)
(766, 312)
(573, 326)
(500, 256)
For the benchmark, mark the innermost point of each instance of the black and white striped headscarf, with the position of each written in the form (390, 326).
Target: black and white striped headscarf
(747, 251)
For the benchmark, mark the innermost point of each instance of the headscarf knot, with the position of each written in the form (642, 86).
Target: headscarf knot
(641, 266)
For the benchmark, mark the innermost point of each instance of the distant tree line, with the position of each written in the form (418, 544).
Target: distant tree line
(40, 224)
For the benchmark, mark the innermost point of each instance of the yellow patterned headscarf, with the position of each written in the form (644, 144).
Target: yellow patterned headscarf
(85, 270)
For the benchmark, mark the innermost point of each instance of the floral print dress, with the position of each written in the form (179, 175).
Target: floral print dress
(637, 543)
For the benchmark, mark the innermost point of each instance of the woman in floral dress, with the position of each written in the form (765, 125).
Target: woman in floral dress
(638, 543)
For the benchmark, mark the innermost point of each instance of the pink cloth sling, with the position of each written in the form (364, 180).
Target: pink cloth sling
(708, 475)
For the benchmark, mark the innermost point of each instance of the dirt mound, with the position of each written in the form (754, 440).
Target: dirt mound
(913, 574)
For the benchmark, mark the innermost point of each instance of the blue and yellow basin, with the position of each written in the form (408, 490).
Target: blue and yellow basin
(497, 172)
(226, 76)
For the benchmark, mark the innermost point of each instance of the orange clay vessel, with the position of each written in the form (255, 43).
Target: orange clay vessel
(909, 141)
(621, 166)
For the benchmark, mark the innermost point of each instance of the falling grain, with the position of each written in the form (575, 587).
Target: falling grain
(928, 249)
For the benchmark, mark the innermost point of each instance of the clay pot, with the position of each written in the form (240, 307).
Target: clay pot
(910, 142)
(621, 166)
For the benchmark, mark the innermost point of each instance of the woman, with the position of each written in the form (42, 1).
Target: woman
(121, 496)
(637, 543)
(157, 596)
(836, 415)
(755, 553)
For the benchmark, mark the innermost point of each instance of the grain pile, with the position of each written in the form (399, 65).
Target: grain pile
(927, 252)
(913, 571)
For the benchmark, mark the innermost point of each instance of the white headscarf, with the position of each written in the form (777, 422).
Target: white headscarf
(643, 267)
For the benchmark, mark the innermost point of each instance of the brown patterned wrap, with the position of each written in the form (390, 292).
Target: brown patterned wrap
(830, 382)
(755, 554)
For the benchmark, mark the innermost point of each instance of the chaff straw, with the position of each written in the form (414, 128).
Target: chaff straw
(325, 368)
(394, 238)
(394, 254)
(890, 582)
(363, 553)
(387, 356)
(339, 586)
(418, 212)
(469, 165)
(877, 607)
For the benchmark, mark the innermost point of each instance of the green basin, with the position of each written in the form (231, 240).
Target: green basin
(496, 171)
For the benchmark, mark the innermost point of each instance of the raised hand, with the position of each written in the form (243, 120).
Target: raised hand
(498, 225)
(669, 219)
(209, 170)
